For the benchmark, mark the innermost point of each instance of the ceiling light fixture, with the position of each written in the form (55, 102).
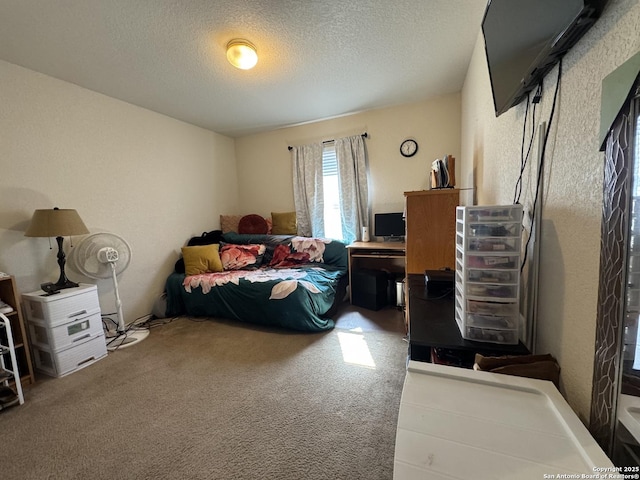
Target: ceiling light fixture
(242, 54)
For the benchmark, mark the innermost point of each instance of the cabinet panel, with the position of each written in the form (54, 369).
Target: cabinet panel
(431, 229)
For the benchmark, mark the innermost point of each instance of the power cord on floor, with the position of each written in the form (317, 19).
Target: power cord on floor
(148, 323)
(104, 323)
(117, 337)
(135, 325)
(157, 322)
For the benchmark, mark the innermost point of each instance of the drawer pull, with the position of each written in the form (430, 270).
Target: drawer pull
(81, 338)
(81, 312)
(87, 360)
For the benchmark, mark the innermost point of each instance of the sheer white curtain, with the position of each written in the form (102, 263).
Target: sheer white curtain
(308, 194)
(354, 189)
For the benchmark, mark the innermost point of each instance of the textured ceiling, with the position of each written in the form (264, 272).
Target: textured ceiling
(317, 59)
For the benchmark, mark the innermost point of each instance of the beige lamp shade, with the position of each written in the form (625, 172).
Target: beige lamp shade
(56, 222)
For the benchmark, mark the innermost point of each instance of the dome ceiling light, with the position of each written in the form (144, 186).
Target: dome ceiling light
(242, 54)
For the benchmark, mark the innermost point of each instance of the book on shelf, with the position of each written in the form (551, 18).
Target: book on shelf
(443, 172)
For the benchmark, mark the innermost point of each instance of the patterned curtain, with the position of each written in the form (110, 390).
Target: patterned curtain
(308, 194)
(354, 190)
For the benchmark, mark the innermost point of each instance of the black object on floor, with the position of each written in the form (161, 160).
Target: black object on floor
(369, 289)
(8, 398)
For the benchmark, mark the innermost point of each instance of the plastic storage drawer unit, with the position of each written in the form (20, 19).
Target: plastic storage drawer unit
(65, 329)
(59, 364)
(67, 334)
(488, 243)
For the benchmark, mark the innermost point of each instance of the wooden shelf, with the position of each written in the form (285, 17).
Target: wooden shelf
(9, 295)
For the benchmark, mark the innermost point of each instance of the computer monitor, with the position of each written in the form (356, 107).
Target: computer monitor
(390, 226)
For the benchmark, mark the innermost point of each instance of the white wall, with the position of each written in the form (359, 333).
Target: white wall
(571, 216)
(151, 179)
(264, 164)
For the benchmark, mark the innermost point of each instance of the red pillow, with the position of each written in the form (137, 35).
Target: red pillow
(253, 224)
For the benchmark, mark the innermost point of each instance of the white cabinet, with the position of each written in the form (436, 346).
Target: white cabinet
(65, 329)
(488, 244)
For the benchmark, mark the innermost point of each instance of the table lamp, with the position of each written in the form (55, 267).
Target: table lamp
(57, 223)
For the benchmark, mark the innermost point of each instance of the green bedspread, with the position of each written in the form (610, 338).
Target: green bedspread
(297, 298)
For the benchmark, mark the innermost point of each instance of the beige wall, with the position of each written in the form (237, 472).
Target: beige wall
(264, 163)
(151, 179)
(569, 260)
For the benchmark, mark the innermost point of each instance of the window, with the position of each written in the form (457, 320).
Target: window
(331, 191)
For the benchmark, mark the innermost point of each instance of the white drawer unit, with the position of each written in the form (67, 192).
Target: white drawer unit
(64, 362)
(488, 245)
(65, 329)
(61, 307)
(65, 335)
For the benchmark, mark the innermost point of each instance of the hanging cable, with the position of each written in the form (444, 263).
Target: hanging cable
(541, 165)
(524, 159)
(518, 189)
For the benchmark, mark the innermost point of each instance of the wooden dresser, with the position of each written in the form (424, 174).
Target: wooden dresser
(431, 229)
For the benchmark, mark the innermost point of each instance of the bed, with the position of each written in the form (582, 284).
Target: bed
(297, 283)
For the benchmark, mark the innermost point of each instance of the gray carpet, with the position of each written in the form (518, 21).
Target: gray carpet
(219, 400)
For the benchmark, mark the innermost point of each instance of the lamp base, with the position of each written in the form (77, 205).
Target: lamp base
(65, 284)
(63, 281)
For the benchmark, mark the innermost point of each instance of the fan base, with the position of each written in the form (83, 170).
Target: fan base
(131, 337)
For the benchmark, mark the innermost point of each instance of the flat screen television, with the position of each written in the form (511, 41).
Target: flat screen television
(524, 39)
(389, 225)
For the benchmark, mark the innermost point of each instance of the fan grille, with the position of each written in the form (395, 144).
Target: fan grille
(87, 260)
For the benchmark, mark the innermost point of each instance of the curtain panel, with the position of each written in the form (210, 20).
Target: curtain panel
(354, 189)
(308, 194)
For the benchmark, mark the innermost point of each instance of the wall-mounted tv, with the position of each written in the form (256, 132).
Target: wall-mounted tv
(524, 39)
(389, 225)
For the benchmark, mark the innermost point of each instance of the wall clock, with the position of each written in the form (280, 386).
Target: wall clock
(408, 148)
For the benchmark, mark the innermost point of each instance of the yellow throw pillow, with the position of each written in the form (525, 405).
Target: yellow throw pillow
(284, 223)
(201, 259)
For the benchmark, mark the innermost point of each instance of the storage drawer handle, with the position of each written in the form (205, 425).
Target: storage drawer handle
(81, 312)
(82, 337)
(87, 360)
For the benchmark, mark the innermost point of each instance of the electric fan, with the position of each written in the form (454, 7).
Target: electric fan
(106, 255)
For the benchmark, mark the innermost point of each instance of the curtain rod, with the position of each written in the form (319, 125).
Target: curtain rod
(364, 135)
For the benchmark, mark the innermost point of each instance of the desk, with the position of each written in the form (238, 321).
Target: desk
(432, 324)
(388, 256)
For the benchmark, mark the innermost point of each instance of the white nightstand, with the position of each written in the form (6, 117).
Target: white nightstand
(65, 329)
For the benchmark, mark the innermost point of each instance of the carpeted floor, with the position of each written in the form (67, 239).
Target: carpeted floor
(220, 400)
